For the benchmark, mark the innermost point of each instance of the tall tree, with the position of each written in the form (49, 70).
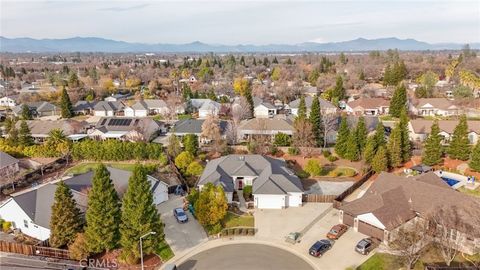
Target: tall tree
(352, 152)
(173, 148)
(316, 120)
(24, 135)
(361, 134)
(404, 134)
(65, 221)
(379, 136)
(66, 104)
(475, 159)
(380, 160)
(303, 134)
(339, 91)
(26, 112)
(370, 150)
(399, 101)
(394, 147)
(432, 153)
(190, 143)
(139, 216)
(12, 138)
(211, 205)
(302, 109)
(103, 213)
(342, 138)
(459, 145)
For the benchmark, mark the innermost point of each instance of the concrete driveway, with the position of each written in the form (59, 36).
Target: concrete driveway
(274, 225)
(183, 236)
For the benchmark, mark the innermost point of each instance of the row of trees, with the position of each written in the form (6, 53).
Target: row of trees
(109, 223)
(114, 150)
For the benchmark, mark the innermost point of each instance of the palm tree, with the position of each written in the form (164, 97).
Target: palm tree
(58, 141)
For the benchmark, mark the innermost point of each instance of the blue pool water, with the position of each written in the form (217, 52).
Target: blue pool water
(449, 181)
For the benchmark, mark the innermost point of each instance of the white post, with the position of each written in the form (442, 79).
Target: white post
(141, 246)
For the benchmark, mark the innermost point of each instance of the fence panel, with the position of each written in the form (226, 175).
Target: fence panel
(31, 250)
(318, 198)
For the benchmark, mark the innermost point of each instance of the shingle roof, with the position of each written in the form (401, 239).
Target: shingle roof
(258, 101)
(194, 126)
(439, 103)
(272, 175)
(308, 103)
(421, 126)
(369, 103)
(108, 106)
(6, 160)
(420, 195)
(149, 104)
(41, 128)
(266, 126)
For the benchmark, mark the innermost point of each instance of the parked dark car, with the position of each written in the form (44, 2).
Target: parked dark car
(337, 231)
(366, 245)
(320, 247)
(180, 215)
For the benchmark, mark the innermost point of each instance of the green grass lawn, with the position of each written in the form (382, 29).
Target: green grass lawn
(381, 261)
(88, 166)
(474, 192)
(164, 251)
(232, 220)
(338, 171)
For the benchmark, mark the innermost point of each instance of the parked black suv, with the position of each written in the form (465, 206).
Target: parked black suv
(320, 247)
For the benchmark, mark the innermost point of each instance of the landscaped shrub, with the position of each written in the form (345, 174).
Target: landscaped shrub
(313, 167)
(113, 150)
(349, 172)
(202, 157)
(214, 229)
(150, 168)
(282, 139)
(194, 169)
(302, 174)
(78, 250)
(272, 150)
(183, 160)
(6, 225)
(326, 153)
(293, 151)
(332, 158)
(163, 160)
(252, 147)
(247, 192)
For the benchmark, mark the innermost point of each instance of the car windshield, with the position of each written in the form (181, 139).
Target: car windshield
(362, 244)
(332, 231)
(180, 212)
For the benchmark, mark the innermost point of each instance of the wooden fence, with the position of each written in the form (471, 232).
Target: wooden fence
(338, 200)
(31, 250)
(318, 198)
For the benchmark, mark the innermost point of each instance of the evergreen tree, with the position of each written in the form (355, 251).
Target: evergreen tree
(352, 152)
(302, 109)
(173, 148)
(380, 160)
(361, 134)
(316, 120)
(26, 112)
(432, 153)
(394, 147)
(65, 221)
(459, 145)
(24, 136)
(103, 213)
(190, 143)
(475, 159)
(379, 136)
(66, 104)
(248, 96)
(399, 101)
(12, 139)
(370, 150)
(139, 216)
(342, 138)
(405, 139)
(339, 91)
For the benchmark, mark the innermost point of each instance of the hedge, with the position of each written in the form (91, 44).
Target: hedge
(113, 150)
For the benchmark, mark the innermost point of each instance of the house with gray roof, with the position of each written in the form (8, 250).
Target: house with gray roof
(273, 184)
(38, 109)
(108, 108)
(193, 126)
(126, 128)
(40, 129)
(204, 107)
(84, 107)
(268, 127)
(326, 106)
(146, 107)
(30, 210)
(263, 109)
(8, 166)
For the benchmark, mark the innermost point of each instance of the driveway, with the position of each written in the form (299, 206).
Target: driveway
(184, 236)
(274, 225)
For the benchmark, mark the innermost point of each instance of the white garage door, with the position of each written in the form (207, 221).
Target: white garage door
(270, 201)
(160, 197)
(295, 200)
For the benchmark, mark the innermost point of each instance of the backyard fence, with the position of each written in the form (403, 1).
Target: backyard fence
(338, 200)
(31, 250)
(318, 198)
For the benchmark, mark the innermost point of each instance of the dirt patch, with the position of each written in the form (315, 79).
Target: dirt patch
(150, 262)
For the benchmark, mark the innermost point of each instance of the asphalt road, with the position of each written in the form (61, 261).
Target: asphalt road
(245, 257)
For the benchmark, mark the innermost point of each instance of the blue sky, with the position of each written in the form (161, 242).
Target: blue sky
(242, 22)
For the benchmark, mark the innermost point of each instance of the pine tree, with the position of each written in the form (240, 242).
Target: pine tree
(139, 216)
(302, 109)
(24, 136)
(342, 138)
(394, 147)
(380, 160)
(26, 112)
(432, 153)
(475, 158)
(12, 139)
(399, 101)
(379, 136)
(352, 152)
(459, 145)
(316, 120)
(103, 213)
(66, 104)
(190, 143)
(361, 134)
(370, 150)
(65, 221)
(404, 133)
(339, 91)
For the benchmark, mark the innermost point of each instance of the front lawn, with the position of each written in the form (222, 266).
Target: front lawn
(381, 261)
(164, 251)
(233, 220)
(473, 192)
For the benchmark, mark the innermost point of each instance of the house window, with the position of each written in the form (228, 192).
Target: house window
(25, 223)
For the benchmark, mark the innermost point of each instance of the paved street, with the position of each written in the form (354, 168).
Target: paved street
(180, 237)
(245, 256)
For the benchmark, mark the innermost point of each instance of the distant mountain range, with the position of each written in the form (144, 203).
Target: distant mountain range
(92, 44)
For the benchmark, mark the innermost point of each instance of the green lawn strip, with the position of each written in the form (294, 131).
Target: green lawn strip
(164, 251)
(473, 192)
(381, 261)
(88, 166)
(232, 220)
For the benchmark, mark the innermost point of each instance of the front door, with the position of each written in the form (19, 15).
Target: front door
(240, 184)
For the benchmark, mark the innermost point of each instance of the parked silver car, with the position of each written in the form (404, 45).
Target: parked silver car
(180, 215)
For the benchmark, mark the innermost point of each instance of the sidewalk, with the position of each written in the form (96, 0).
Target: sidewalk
(241, 200)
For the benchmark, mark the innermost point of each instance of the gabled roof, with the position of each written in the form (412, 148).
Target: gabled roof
(149, 104)
(40, 106)
(439, 103)
(272, 176)
(421, 126)
(258, 101)
(41, 128)
(308, 103)
(369, 103)
(83, 105)
(267, 125)
(194, 126)
(6, 160)
(109, 106)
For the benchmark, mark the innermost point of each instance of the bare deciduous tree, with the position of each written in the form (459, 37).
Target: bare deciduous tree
(241, 110)
(330, 122)
(303, 135)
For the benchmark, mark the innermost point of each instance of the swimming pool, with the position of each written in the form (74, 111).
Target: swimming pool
(450, 182)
